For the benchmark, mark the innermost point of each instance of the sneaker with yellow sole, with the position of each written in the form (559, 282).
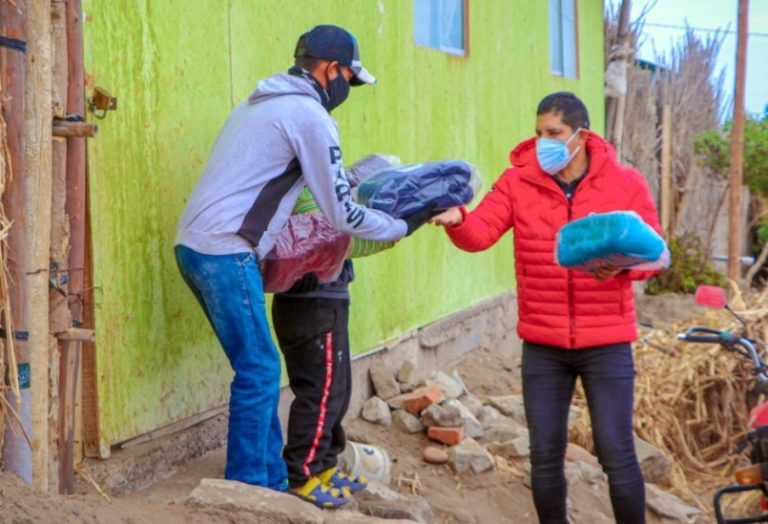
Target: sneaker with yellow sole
(343, 482)
(320, 494)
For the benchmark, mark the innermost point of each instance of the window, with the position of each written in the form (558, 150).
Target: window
(440, 24)
(562, 37)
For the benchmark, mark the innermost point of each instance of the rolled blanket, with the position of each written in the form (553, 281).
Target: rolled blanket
(618, 238)
(403, 190)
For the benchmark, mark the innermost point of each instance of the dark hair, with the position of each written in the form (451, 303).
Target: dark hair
(573, 111)
(309, 63)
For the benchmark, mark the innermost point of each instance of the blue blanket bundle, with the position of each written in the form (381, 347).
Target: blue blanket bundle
(618, 238)
(403, 190)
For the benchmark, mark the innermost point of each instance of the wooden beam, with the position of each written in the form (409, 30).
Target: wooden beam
(68, 380)
(37, 181)
(65, 128)
(666, 163)
(77, 334)
(17, 454)
(58, 307)
(175, 427)
(737, 147)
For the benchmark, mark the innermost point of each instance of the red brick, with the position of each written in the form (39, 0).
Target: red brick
(422, 398)
(447, 436)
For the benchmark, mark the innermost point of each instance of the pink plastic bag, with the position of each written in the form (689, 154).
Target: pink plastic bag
(307, 244)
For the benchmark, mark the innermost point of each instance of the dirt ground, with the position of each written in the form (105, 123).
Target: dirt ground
(492, 497)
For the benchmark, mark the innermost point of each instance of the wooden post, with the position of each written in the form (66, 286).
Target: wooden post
(666, 162)
(737, 148)
(17, 454)
(77, 211)
(37, 208)
(62, 403)
(614, 111)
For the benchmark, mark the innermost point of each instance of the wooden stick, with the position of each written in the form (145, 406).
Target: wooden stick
(737, 146)
(74, 129)
(77, 334)
(80, 470)
(666, 162)
(175, 427)
(68, 381)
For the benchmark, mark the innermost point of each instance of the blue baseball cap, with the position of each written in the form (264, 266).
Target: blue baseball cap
(331, 42)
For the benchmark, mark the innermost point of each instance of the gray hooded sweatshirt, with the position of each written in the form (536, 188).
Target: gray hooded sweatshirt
(270, 147)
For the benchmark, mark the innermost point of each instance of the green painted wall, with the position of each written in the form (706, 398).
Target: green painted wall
(177, 68)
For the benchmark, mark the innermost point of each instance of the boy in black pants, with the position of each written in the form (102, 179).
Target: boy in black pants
(310, 322)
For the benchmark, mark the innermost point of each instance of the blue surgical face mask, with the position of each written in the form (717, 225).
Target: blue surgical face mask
(553, 155)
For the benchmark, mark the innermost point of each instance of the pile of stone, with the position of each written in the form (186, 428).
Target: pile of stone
(479, 435)
(443, 408)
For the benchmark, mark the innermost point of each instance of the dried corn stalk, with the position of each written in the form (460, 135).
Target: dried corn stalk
(692, 401)
(7, 351)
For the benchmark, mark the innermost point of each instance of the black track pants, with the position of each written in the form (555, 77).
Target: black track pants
(312, 334)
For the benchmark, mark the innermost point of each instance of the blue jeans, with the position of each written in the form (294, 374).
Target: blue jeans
(229, 289)
(607, 374)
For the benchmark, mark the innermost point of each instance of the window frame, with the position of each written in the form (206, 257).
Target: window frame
(453, 51)
(564, 72)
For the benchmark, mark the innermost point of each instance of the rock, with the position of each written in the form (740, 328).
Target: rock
(487, 414)
(576, 471)
(353, 517)
(449, 387)
(407, 372)
(510, 405)
(460, 381)
(378, 491)
(414, 508)
(472, 426)
(576, 453)
(384, 382)
(442, 416)
(407, 422)
(656, 467)
(474, 405)
(511, 449)
(447, 436)
(435, 455)
(398, 401)
(666, 505)
(468, 455)
(263, 505)
(522, 445)
(407, 388)
(377, 411)
(504, 429)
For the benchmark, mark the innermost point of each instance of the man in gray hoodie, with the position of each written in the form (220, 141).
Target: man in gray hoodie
(272, 145)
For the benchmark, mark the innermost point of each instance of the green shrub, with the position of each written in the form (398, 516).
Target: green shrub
(690, 266)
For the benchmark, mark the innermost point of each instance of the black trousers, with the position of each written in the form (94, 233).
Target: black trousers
(313, 336)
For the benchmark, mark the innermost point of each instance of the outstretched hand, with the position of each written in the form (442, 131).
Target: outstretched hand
(448, 218)
(605, 272)
(418, 219)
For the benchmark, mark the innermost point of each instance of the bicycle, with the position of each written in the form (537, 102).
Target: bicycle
(755, 476)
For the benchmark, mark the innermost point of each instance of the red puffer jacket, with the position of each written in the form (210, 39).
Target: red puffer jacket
(558, 307)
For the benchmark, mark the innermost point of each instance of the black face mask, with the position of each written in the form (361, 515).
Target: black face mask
(338, 91)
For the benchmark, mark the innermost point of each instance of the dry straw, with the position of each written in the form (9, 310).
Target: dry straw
(693, 403)
(7, 351)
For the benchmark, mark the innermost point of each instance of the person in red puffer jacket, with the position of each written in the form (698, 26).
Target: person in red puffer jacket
(573, 324)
